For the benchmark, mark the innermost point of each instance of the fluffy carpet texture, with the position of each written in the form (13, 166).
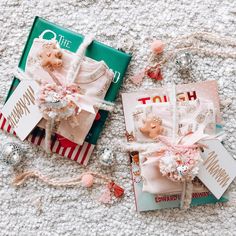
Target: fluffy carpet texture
(37, 209)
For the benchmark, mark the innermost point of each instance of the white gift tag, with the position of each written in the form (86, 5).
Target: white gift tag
(21, 110)
(218, 169)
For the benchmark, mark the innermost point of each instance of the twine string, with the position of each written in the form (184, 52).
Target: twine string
(22, 178)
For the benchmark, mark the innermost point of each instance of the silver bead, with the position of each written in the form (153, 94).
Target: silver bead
(107, 158)
(183, 61)
(11, 153)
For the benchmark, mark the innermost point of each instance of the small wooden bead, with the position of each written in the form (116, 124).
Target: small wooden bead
(87, 180)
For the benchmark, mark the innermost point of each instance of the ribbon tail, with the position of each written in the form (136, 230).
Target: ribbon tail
(75, 66)
(89, 102)
(186, 196)
(49, 127)
(82, 103)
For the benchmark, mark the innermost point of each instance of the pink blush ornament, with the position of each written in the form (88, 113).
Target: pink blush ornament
(157, 46)
(87, 180)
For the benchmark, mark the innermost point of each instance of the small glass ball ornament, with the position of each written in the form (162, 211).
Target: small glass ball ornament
(183, 61)
(12, 154)
(107, 158)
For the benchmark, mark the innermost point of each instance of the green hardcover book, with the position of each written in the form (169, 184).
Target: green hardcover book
(116, 60)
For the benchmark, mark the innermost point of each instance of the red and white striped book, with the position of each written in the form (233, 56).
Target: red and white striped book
(78, 153)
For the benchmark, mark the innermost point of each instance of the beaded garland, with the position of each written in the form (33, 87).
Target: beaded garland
(179, 49)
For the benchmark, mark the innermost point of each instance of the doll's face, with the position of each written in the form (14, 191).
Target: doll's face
(182, 170)
(152, 127)
(51, 56)
(136, 158)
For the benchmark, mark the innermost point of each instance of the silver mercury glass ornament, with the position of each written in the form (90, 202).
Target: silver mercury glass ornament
(12, 154)
(107, 158)
(183, 61)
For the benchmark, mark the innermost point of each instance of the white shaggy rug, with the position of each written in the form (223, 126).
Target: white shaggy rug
(37, 209)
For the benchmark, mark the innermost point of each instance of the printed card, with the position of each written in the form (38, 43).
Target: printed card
(21, 110)
(218, 169)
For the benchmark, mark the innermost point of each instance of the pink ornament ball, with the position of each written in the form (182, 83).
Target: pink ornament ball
(157, 46)
(87, 180)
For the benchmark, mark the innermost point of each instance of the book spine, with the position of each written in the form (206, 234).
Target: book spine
(78, 153)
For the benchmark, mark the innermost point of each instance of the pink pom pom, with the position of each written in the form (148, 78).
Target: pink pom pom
(157, 46)
(87, 180)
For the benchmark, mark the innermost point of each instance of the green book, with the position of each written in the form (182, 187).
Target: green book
(116, 60)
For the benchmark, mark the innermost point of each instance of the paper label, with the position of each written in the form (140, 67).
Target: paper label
(218, 169)
(21, 110)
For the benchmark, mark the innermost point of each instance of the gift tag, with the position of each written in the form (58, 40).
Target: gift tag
(218, 169)
(21, 110)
